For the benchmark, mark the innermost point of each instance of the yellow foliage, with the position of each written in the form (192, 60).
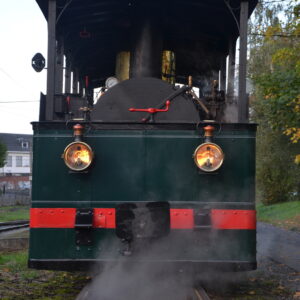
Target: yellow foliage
(294, 134)
(297, 159)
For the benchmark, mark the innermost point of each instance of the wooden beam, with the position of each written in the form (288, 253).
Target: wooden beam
(243, 100)
(51, 59)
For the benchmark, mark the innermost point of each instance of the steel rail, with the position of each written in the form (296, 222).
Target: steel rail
(201, 293)
(13, 225)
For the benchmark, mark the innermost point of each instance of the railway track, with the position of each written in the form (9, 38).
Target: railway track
(13, 225)
(198, 293)
(201, 294)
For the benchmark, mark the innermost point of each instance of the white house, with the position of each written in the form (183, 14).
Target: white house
(16, 173)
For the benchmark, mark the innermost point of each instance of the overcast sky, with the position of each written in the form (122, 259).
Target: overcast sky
(23, 32)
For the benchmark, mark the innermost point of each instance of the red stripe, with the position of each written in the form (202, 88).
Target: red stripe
(106, 218)
(181, 218)
(233, 219)
(52, 217)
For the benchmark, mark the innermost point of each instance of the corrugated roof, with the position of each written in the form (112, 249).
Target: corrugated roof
(13, 141)
(194, 29)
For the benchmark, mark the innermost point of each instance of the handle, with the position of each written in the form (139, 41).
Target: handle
(151, 110)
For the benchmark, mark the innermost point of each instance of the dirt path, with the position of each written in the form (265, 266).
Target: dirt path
(281, 245)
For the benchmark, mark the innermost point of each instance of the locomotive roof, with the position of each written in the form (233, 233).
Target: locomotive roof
(95, 30)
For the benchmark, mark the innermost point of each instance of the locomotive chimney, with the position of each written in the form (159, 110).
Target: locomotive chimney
(146, 58)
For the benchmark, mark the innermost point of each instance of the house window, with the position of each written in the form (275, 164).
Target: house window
(25, 161)
(19, 161)
(9, 161)
(25, 145)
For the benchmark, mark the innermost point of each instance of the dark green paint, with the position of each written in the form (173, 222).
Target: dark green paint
(180, 245)
(143, 165)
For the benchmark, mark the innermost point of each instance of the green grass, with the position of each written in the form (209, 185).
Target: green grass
(19, 282)
(16, 263)
(280, 211)
(13, 213)
(14, 259)
(286, 214)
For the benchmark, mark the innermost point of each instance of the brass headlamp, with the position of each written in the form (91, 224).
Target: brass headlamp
(208, 157)
(78, 156)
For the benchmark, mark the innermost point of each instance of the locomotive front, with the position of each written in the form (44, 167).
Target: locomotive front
(159, 164)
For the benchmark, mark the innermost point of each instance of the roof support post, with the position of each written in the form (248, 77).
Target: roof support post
(59, 66)
(68, 75)
(231, 69)
(51, 59)
(243, 100)
(222, 85)
(80, 86)
(75, 81)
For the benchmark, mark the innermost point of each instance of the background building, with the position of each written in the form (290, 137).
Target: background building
(15, 176)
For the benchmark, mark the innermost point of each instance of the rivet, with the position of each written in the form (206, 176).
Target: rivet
(185, 214)
(62, 211)
(110, 213)
(176, 214)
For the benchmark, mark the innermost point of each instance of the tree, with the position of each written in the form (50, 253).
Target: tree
(275, 72)
(2, 155)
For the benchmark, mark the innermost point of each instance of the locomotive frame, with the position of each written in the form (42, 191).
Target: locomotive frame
(143, 198)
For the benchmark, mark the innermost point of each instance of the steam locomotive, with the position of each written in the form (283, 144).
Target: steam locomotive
(143, 151)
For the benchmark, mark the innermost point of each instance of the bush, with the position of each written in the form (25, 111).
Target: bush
(277, 175)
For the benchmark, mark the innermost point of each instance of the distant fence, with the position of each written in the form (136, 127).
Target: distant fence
(15, 197)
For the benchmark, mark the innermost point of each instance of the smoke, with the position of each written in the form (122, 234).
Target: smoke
(141, 276)
(147, 271)
(139, 281)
